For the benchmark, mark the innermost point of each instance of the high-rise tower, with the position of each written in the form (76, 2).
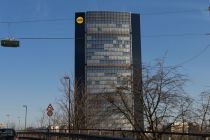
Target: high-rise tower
(107, 56)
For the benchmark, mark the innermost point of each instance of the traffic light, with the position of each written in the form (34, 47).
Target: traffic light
(10, 43)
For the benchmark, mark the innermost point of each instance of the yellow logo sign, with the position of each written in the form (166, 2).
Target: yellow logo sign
(79, 20)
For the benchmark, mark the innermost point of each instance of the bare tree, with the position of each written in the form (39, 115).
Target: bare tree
(63, 104)
(43, 121)
(80, 106)
(203, 111)
(77, 104)
(185, 110)
(60, 113)
(162, 96)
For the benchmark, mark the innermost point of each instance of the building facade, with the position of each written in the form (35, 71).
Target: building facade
(107, 57)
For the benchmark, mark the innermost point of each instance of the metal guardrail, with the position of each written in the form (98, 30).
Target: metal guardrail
(48, 135)
(104, 134)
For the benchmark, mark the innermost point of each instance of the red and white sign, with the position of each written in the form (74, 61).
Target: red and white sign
(49, 113)
(50, 110)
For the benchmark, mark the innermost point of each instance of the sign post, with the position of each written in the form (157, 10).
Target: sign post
(49, 112)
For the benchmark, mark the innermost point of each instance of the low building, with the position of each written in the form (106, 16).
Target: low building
(185, 127)
(2, 125)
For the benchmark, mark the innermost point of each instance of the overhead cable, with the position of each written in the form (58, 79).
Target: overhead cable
(70, 19)
(143, 36)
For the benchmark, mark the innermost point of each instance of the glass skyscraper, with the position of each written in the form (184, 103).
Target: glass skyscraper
(107, 56)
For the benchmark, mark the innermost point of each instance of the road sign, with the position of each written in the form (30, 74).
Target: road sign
(49, 113)
(50, 110)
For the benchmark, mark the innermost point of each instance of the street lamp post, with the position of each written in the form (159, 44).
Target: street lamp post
(69, 98)
(25, 106)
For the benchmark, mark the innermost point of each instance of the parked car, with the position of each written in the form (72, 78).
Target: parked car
(8, 134)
